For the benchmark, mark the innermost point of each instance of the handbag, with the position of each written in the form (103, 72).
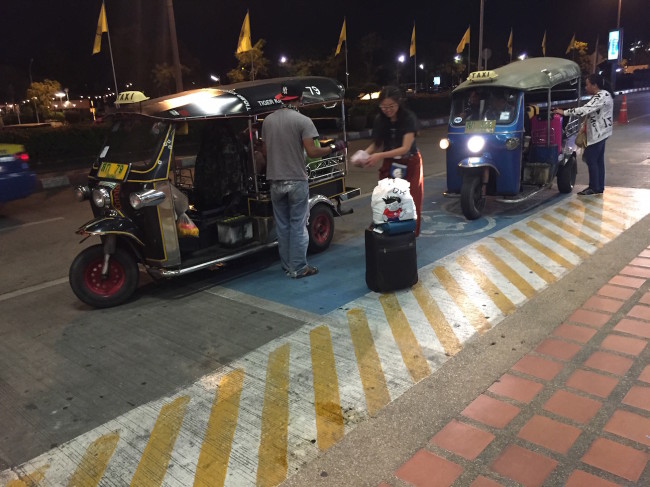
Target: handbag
(581, 138)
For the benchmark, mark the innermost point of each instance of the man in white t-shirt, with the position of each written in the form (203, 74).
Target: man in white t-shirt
(287, 134)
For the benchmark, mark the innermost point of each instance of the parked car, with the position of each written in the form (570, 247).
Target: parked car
(16, 179)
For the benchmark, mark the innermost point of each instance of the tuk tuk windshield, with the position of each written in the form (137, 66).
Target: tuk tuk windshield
(135, 141)
(498, 104)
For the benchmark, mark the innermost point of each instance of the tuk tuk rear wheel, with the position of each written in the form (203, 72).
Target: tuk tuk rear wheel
(566, 176)
(472, 200)
(90, 287)
(320, 228)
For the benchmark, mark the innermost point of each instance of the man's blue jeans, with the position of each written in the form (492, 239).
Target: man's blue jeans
(594, 156)
(291, 211)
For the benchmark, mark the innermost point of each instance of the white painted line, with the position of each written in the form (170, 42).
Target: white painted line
(24, 225)
(31, 289)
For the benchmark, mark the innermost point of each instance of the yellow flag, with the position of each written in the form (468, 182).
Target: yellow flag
(463, 41)
(544, 44)
(510, 44)
(571, 44)
(244, 43)
(412, 51)
(342, 38)
(102, 27)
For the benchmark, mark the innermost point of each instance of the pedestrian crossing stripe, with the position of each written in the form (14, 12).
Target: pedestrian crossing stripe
(259, 419)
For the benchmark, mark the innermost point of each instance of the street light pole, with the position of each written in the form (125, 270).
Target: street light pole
(174, 42)
(480, 39)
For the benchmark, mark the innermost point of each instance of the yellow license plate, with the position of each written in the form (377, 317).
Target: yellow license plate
(480, 126)
(113, 170)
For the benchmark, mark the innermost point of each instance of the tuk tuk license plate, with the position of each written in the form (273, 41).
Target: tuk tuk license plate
(113, 170)
(480, 126)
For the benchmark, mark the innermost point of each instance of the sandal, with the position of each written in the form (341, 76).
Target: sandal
(309, 271)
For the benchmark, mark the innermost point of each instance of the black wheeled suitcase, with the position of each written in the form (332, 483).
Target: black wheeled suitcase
(391, 261)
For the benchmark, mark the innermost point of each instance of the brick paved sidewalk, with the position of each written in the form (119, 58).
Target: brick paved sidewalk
(575, 411)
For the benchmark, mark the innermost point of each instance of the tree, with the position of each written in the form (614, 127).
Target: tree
(251, 64)
(581, 57)
(164, 78)
(43, 93)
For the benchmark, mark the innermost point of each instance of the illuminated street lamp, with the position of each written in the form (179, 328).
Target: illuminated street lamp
(401, 58)
(283, 59)
(214, 78)
(522, 56)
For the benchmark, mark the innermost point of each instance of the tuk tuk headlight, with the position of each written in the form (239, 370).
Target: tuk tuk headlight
(512, 143)
(444, 144)
(150, 197)
(101, 197)
(476, 143)
(82, 193)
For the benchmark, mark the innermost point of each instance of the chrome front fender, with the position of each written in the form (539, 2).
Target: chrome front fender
(111, 225)
(477, 163)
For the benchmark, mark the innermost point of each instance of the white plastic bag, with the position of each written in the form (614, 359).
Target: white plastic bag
(391, 201)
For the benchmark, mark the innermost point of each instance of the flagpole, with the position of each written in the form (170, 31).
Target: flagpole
(469, 53)
(596, 55)
(415, 62)
(110, 50)
(346, 54)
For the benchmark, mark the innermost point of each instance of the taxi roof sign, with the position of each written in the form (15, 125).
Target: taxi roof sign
(126, 97)
(480, 76)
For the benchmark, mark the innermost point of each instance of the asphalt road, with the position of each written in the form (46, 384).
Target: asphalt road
(67, 370)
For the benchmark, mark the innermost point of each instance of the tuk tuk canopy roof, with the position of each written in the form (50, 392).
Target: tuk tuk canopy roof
(236, 100)
(528, 75)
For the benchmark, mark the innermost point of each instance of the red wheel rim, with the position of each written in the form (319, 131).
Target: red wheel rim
(94, 281)
(321, 229)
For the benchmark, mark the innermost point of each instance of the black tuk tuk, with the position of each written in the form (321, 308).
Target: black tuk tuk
(178, 186)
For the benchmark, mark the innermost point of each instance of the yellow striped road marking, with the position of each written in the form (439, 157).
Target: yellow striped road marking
(509, 273)
(279, 405)
(329, 419)
(92, 465)
(404, 337)
(537, 245)
(215, 450)
(598, 215)
(489, 288)
(437, 320)
(525, 259)
(559, 239)
(570, 228)
(153, 463)
(272, 453)
(474, 315)
(579, 218)
(372, 376)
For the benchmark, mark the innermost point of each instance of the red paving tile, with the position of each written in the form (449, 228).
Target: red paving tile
(551, 434)
(558, 349)
(640, 311)
(569, 405)
(538, 367)
(463, 439)
(603, 304)
(641, 262)
(638, 397)
(580, 334)
(645, 299)
(627, 345)
(591, 318)
(583, 479)
(616, 292)
(517, 388)
(481, 481)
(608, 362)
(592, 383)
(633, 327)
(645, 375)
(627, 281)
(426, 469)
(629, 425)
(645, 253)
(636, 271)
(490, 411)
(523, 466)
(615, 458)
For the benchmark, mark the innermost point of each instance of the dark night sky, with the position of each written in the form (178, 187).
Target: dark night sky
(59, 35)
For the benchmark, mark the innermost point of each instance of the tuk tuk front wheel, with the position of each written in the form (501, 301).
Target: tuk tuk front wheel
(566, 176)
(92, 288)
(472, 200)
(320, 228)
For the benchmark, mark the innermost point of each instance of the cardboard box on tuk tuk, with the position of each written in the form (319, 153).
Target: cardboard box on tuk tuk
(234, 231)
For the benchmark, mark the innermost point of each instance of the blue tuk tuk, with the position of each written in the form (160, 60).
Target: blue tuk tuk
(503, 139)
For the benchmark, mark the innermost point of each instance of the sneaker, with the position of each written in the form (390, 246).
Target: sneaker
(308, 271)
(586, 192)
